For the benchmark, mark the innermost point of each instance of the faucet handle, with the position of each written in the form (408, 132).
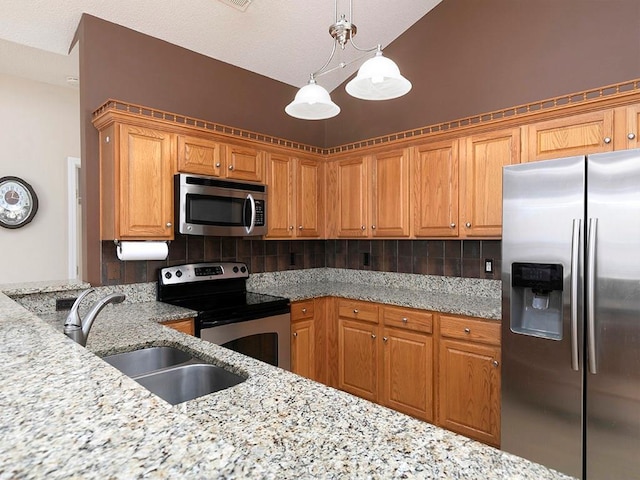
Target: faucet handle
(73, 318)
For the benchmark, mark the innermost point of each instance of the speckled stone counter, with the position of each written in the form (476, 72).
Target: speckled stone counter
(67, 414)
(463, 296)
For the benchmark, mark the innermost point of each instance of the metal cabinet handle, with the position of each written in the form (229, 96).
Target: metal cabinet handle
(607, 140)
(363, 227)
(631, 136)
(405, 319)
(299, 227)
(468, 224)
(495, 363)
(385, 339)
(373, 335)
(355, 310)
(295, 334)
(218, 165)
(467, 330)
(290, 227)
(304, 310)
(453, 225)
(168, 224)
(575, 257)
(373, 227)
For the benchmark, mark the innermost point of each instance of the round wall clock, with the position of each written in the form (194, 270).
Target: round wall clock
(18, 202)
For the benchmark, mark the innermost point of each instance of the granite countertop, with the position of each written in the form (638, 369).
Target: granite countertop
(66, 413)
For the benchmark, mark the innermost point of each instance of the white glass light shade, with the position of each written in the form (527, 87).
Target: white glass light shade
(378, 79)
(312, 102)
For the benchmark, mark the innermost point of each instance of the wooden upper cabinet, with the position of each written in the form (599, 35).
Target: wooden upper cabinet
(137, 183)
(352, 190)
(564, 137)
(390, 198)
(626, 127)
(435, 180)
(244, 163)
(482, 159)
(280, 208)
(296, 194)
(199, 155)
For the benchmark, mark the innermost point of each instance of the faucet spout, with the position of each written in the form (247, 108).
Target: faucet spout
(78, 329)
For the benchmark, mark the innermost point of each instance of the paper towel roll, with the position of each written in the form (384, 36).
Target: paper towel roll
(142, 250)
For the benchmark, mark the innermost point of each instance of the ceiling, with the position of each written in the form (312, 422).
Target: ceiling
(285, 40)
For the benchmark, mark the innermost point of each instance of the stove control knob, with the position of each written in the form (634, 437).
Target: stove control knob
(178, 274)
(243, 269)
(235, 269)
(167, 275)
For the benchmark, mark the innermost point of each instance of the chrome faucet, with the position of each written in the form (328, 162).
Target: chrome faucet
(77, 329)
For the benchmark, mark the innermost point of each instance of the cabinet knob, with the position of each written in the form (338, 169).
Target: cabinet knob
(218, 165)
(295, 334)
(385, 339)
(355, 310)
(290, 227)
(453, 225)
(107, 139)
(405, 319)
(468, 224)
(373, 335)
(607, 140)
(467, 330)
(168, 224)
(304, 310)
(230, 167)
(373, 227)
(363, 227)
(631, 136)
(299, 227)
(496, 363)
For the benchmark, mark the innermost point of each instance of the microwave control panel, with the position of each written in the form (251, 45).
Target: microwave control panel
(260, 213)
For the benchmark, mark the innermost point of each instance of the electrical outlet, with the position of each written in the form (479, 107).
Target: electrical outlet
(488, 265)
(64, 303)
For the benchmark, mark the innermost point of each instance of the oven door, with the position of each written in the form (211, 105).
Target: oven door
(266, 339)
(209, 206)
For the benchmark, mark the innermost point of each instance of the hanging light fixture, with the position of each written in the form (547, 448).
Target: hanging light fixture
(378, 78)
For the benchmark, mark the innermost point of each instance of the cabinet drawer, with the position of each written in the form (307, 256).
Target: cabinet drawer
(185, 325)
(470, 329)
(367, 312)
(408, 319)
(302, 310)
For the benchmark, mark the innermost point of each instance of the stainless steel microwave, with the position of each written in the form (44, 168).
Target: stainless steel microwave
(216, 207)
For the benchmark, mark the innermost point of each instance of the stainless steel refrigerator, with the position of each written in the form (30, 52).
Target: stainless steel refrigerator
(571, 314)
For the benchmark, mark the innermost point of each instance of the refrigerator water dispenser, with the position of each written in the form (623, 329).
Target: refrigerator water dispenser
(536, 299)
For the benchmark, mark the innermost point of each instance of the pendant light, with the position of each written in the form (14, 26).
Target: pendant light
(378, 78)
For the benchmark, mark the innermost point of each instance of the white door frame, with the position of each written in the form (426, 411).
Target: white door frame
(73, 195)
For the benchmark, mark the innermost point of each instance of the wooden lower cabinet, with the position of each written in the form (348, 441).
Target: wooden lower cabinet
(185, 325)
(309, 356)
(469, 378)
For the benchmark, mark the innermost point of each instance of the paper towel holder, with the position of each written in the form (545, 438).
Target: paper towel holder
(118, 244)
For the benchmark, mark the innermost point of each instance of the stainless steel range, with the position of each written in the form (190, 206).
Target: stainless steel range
(253, 324)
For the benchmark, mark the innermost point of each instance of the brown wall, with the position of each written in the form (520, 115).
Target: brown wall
(467, 57)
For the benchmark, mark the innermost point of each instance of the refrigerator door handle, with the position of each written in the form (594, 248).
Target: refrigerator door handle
(591, 280)
(575, 258)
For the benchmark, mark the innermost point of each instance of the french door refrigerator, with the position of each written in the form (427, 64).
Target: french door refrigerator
(571, 314)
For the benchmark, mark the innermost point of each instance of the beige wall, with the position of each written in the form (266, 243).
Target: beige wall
(40, 128)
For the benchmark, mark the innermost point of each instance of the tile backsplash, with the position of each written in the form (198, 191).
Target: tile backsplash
(452, 258)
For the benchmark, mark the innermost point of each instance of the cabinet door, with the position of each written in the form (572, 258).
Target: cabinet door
(244, 163)
(199, 156)
(352, 181)
(481, 181)
(358, 358)
(185, 326)
(146, 183)
(309, 198)
(280, 202)
(408, 372)
(627, 127)
(390, 199)
(302, 348)
(565, 137)
(469, 390)
(436, 189)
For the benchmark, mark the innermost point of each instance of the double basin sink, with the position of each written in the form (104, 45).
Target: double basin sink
(172, 374)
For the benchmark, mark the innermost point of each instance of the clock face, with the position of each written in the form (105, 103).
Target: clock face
(18, 202)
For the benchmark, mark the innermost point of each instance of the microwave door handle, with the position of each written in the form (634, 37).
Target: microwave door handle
(252, 223)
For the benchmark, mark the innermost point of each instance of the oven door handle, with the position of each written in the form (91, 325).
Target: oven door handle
(252, 222)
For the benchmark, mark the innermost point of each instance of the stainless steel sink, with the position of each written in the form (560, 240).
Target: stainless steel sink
(146, 360)
(172, 374)
(179, 384)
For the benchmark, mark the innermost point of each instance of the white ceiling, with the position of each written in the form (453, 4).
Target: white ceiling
(282, 39)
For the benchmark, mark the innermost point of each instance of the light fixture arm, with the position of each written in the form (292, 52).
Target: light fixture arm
(321, 72)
